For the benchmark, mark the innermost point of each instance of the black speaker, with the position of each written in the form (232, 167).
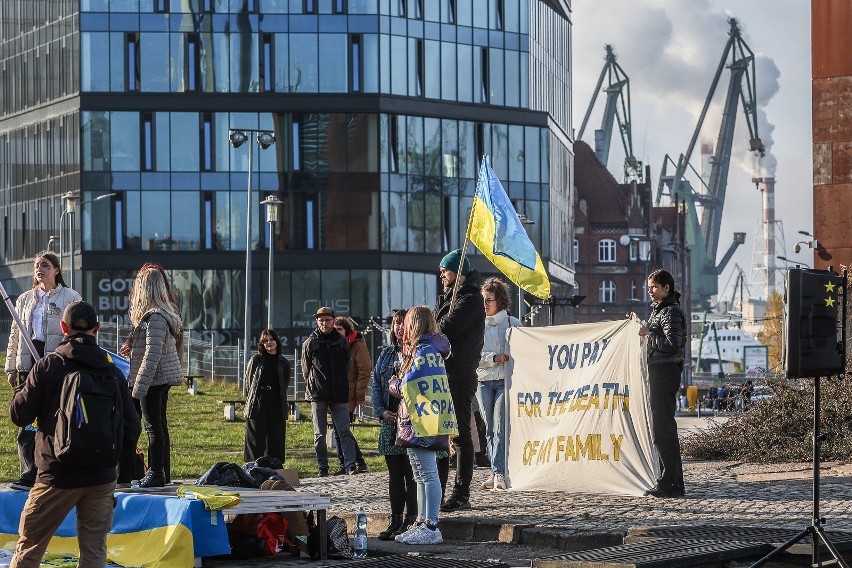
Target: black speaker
(812, 331)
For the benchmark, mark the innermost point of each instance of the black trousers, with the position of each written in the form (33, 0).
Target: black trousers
(157, 427)
(266, 429)
(463, 391)
(664, 381)
(359, 457)
(402, 489)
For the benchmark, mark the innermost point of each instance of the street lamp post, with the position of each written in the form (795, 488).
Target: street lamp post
(796, 262)
(264, 139)
(272, 204)
(71, 200)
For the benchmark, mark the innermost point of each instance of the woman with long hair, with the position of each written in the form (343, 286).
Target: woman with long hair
(402, 490)
(665, 332)
(267, 378)
(40, 309)
(154, 366)
(423, 363)
(494, 368)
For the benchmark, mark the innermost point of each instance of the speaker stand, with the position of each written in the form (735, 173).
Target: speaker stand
(815, 529)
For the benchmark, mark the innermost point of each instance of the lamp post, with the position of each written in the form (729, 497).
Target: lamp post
(788, 261)
(272, 205)
(644, 254)
(71, 200)
(264, 139)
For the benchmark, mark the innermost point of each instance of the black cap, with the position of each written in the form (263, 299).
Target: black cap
(80, 316)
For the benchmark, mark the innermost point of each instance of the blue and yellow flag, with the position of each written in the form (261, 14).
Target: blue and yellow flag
(498, 233)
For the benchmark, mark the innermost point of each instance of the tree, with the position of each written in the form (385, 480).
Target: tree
(772, 334)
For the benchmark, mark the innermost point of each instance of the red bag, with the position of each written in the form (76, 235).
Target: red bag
(272, 529)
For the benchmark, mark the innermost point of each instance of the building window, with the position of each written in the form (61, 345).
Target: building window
(479, 143)
(402, 8)
(420, 66)
(206, 143)
(484, 87)
(338, 6)
(118, 220)
(576, 251)
(297, 145)
(131, 63)
(161, 6)
(267, 63)
(606, 250)
(208, 6)
(606, 292)
(310, 6)
(146, 143)
(634, 290)
(208, 211)
(500, 13)
(393, 135)
(191, 63)
(418, 9)
(634, 251)
(356, 60)
(450, 8)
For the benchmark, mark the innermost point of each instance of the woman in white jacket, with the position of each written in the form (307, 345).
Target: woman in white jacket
(494, 368)
(40, 309)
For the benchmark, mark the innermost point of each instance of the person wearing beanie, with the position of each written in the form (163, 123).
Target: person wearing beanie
(463, 323)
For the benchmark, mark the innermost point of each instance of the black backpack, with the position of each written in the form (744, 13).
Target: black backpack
(90, 420)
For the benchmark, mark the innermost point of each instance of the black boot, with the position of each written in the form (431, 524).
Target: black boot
(406, 524)
(394, 525)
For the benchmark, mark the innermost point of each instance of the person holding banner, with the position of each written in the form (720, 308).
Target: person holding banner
(665, 332)
(425, 418)
(40, 311)
(491, 375)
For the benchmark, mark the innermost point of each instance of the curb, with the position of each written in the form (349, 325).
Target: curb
(471, 530)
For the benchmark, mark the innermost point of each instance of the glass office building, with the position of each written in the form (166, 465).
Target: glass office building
(381, 111)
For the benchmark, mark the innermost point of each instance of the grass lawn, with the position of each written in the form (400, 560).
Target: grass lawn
(200, 435)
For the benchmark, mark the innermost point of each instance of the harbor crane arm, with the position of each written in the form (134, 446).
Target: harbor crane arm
(617, 109)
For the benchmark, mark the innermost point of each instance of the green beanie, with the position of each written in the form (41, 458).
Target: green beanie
(451, 263)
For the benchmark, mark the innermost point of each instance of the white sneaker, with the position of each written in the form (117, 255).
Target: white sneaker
(410, 530)
(489, 483)
(499, 481)
(424, 535)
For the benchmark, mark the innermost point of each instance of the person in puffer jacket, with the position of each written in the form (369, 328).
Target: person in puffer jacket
(665, 333)
(494, 368)
(154, 366)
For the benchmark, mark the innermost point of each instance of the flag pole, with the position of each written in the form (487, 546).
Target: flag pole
(466, 236)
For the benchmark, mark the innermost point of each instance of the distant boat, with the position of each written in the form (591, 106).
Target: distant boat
(730, 351)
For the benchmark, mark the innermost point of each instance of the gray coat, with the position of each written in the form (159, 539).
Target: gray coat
(154, 359)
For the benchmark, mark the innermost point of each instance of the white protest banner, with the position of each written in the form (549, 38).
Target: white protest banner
(578, 410)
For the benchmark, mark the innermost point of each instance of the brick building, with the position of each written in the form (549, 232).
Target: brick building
(831, 52)
(620, 237)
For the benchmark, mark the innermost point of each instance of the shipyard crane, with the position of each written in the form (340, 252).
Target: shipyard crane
(617, 108)
(703, 235)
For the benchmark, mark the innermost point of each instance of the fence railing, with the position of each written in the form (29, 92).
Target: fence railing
(203, 359)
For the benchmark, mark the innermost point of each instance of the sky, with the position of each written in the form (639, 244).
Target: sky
(670, 50)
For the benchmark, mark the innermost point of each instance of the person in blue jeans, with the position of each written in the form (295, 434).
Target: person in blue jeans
(425, 418)
(494, 368)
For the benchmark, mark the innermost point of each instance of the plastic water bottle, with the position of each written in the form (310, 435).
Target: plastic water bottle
(359, 545)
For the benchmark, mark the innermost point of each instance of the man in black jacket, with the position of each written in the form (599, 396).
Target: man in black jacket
(61, 486)
(325, 366)
(463, 322)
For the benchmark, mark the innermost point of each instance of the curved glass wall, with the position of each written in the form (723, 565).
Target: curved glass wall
(436, 49)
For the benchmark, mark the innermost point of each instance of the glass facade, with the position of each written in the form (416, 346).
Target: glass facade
(381, 111)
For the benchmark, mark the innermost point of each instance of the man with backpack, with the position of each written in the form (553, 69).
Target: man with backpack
(85, 415)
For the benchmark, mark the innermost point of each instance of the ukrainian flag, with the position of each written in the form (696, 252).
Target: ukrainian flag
(498, 233)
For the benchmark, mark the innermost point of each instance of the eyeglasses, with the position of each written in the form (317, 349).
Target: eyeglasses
(490, 301)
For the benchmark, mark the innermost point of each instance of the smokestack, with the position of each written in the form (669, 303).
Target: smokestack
(768, 191)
